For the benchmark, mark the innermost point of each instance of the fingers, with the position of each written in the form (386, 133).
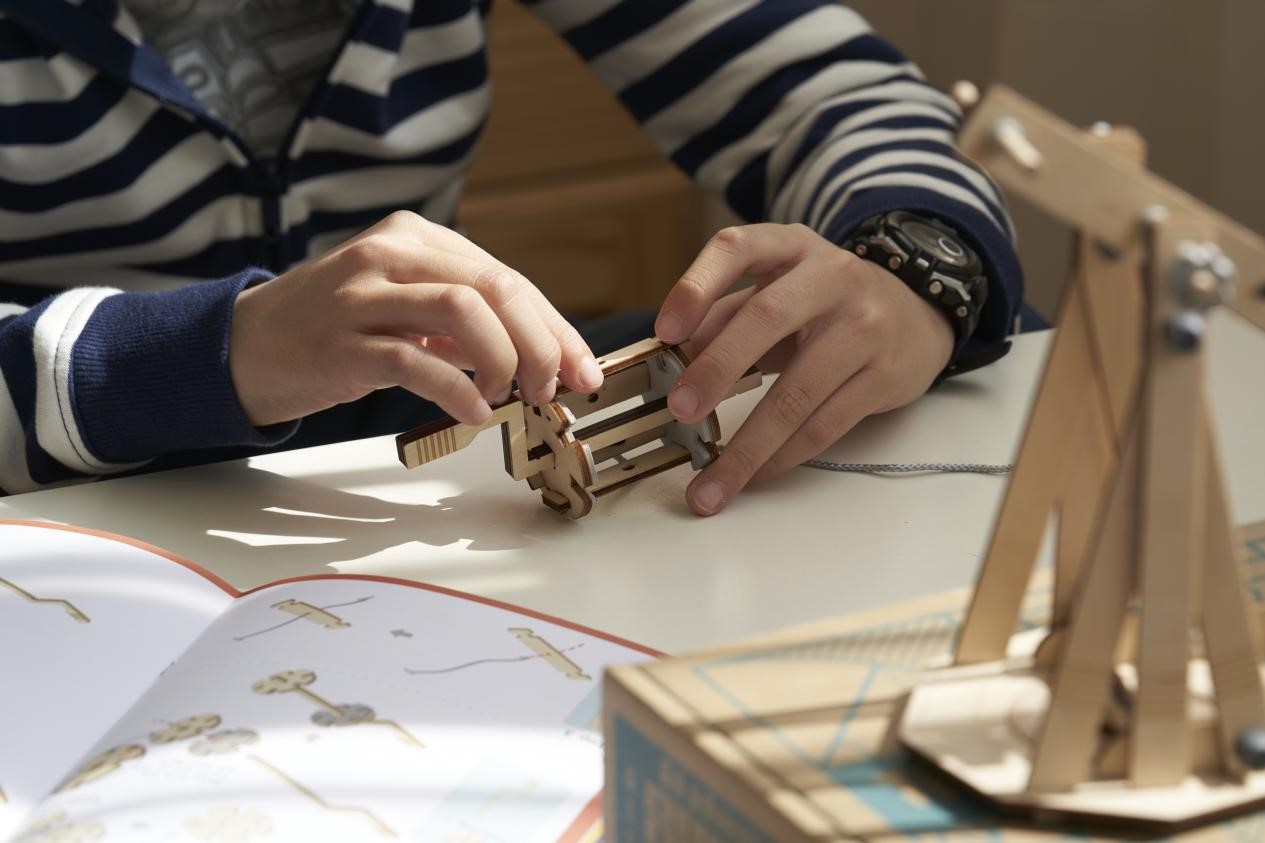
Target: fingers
(717, 317)
(773, 360)
(763, 320)
(395, 361)
(539, 352)
(445, 349)
(451, 310)
(407, 303)
(509, 296)
(861, 396)
(576, 367)
(730, 254)
(750, 454)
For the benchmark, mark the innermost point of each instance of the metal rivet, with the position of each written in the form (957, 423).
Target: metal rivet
(1249, 746)
(895, 262)
(961, 311)
(1185, 330)
(1204, 283)
(935, 288)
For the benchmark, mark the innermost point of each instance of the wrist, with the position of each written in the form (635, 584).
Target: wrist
(940, 333)
(935, 264)
(244, 363)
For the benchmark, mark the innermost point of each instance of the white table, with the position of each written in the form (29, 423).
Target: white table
(811, 544)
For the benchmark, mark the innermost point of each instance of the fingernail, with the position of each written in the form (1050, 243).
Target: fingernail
(668, 327)
(590, 373)
(709, 496)
(503, 397)
(683, 401)
(547, 392)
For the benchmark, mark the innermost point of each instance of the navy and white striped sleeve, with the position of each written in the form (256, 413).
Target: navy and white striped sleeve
(794, 111)
(96, 381)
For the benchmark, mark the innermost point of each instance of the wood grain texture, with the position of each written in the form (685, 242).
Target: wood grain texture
(1171, 526)
(1081, 681)
(1033, 492)
(1111, 211)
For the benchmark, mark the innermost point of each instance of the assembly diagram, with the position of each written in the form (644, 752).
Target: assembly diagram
(71, 608)
(541, 649)
(303, 611)
(328, 713)
(382, 828)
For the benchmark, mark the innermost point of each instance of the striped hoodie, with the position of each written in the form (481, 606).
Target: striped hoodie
(119, 188)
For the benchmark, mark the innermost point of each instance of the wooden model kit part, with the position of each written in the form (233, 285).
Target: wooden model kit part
(546, 446)
(1144, 702)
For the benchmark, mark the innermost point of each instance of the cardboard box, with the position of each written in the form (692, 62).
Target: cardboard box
(790, 738)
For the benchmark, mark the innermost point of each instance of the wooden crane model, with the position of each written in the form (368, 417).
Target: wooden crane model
(1143, 702)
(573, 465)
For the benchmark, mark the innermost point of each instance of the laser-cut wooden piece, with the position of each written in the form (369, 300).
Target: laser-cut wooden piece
(555, 452)
(1153, 662)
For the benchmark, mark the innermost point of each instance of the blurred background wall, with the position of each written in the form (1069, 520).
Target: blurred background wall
(574, 196)
(1189, 75)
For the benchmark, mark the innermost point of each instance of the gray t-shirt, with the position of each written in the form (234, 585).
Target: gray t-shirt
(251, 63)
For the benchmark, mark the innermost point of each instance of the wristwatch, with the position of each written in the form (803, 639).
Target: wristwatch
(938, 265)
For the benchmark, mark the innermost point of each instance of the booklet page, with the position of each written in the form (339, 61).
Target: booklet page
(87, 624)
(356, 709)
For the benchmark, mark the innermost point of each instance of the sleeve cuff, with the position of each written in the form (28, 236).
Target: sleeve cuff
(150, 374)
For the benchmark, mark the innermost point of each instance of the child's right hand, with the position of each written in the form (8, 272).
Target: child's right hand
(405, 303)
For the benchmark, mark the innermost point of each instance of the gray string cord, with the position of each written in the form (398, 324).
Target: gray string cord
(911, 467)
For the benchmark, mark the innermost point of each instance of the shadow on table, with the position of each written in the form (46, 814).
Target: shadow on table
(253, 526)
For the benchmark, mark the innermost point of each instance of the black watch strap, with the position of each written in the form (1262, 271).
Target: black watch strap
(968, 361)
(940, 267)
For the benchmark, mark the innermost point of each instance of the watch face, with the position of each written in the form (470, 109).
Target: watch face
(943, 246)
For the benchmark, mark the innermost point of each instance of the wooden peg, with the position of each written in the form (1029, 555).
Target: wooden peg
(442, 437)
(966, 94)
(1009, 135)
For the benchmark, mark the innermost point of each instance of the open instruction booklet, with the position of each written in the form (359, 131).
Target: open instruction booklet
(142, 698)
